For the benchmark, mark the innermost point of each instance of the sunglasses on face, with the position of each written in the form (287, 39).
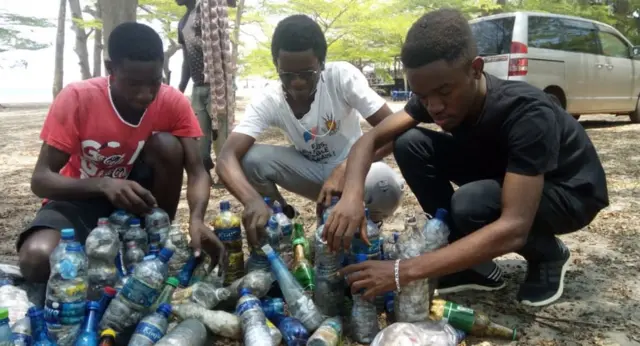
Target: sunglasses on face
(289, 77)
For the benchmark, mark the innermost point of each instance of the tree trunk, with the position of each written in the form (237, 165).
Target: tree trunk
(97, 45)
(235, 41)
(81, 38)
(115, 12)
(58, 74)
(171, 50)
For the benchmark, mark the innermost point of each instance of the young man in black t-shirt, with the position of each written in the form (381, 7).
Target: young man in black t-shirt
(526, 171)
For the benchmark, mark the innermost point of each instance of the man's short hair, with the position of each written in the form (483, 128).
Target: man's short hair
(298, 33)
(134, 41)
(443, 34)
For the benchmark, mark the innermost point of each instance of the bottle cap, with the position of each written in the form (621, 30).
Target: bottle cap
(245, 291)
(103, 221)
(134, 222)
(108, 332)
(164, 309)
(93, 305)
(4, 314)
(225, 205)
(67, 234)
(165, 255)
(396, 235)
(277, 208)
(267, 201)
(441, 214)
(172, 281)
(110, 291)
(74, 247)
(361, 257)
(272, 223)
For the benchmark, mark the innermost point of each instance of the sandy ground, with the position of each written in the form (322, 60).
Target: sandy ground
(601, 304)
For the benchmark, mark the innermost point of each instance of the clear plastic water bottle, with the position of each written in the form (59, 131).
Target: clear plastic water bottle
(67, 236)
(154, 249)
(257, 259)
(147, 279)
(102, 247)
(152, 328)
(272, 306)
(189, 332)
(177, 241)
(133, 255)
(21, 331)
(436, 232)
(13, 297)
(285, 227)
(137, 234)
(157, 224)
(67, 294)
(227, 227)
(293, 331)
(119, 220)
(419, 333)
(358, 246)
(89, 332)
(39, 332)
(329, 333)
(364, 316)
(254, 324)
(326, 212)
(329, 290)
(301, 307)
(6, 337)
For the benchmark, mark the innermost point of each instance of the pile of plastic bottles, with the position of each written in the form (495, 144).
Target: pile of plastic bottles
(144, 286)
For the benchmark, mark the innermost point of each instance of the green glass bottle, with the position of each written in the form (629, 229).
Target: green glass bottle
(303, 270)
(474, 323)
(298, 238)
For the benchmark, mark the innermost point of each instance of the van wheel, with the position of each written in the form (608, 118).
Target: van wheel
(555, 99)
(635, 115)
(576, 116)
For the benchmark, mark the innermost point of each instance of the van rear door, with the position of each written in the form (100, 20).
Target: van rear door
(493, 37)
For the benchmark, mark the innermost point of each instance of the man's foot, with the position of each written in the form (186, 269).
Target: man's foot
(470, 280)
(545, 279)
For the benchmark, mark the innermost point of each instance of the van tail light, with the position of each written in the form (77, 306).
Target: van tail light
(518, 66)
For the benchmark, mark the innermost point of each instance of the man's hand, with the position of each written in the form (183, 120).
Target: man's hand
(128, 195)
(346, 218)
(203, 238)
(255, 216)
(332, 187)
(375, 277)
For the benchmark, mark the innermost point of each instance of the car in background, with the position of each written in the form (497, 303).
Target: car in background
(585, 66)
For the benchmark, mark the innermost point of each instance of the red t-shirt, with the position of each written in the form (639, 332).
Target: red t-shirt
(84, 123)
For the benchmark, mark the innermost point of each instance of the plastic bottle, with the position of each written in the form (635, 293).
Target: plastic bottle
(107, 337)
(184, 276)
(436, 232)
(167, 292)
(293, 332)
(13, 297)
(390, 251)
(419, 333)
(326, 212)
(286, 229)
(21, 331)
(67, 294)
(152, 328)
(364, 316)
(154, 249)
(67, 236)
(6, 336)
(300, 305)
(137, 234)
(102, 247)
(133, 255)
(89, 332)
(189, 332)
(470, 321)
(227, 228)
(257, 259)
(119, 220)
(272, 306)
(254, 324)
(329, 290)
(358, 246)
(177, 241)
(303, 270)
(328, 334)
(107, 296)
(39, 332)
(157, 224)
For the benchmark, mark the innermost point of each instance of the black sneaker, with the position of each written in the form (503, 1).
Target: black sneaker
(545, 279)
(470, 280)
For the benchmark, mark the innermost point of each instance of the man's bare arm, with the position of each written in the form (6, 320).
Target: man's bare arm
(229, 167)
(198, 182)
(375, 119)
(185, 74)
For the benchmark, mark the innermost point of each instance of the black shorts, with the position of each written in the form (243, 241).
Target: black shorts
(81, 215)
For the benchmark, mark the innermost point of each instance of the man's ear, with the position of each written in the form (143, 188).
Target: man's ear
(108, 66)
(477, 66)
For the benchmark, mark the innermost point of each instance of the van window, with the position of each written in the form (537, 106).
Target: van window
(579, 36)
(545, 32)
(493, 36)
(612, 45)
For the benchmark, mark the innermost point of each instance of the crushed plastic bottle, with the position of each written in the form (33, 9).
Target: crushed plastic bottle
(286, 229)
(364, 317)
(219, 322)
(6, 337)
(328, 334)
(420, 333)
(189, 332)
(293, 332)
(272, 306)
(137, 234)
(227, 227)
(254, 324)
(300, 305)
(21, 331)
(329, 289)
(157, 224)
(66, 294)
(436, 232)
(89, 333)
(177, 241)
(259, 282)
(119, 220)
(167, 292)
(412, 303)
(390, 250)
(133, 255)
(202, 270)
(152, 328)
(12, 297)
(257, 259)
(102, 247)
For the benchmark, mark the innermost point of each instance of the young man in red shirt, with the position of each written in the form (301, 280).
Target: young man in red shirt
(120, 141)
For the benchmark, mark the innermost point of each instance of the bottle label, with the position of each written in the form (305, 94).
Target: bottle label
(21, 339)
(235, 269)
(149, 331)
(139, 293)
(59, 314)
(459, 317)
(229, 234)
(248, 305)
(373, 251)
(286, 230)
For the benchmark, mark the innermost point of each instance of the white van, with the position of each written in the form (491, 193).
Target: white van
(588, 67)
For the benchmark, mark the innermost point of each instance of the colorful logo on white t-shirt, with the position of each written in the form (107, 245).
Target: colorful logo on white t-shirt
(310, 134)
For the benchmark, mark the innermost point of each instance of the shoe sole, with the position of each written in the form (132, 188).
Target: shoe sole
(558, 293)
(469, 287)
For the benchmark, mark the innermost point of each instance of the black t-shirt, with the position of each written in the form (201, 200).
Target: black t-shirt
(521, 130)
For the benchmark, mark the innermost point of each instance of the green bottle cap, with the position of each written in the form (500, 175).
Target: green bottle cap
(173, 281)
(4, 314)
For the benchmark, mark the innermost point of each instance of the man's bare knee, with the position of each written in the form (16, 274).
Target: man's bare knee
(34, 254)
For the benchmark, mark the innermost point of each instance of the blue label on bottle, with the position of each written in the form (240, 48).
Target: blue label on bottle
(139, 293)
(287, 230)
(247, 305)
(359, 246)
(229, 234)
(21, 339)
(149, 331)
(56, 313)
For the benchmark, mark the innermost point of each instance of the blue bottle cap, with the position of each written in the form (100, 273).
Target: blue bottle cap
(267, 201)
(134, 222)
(67, 234)
(245, 291)
(361, 257)
(396, 235)
(165, 255)
(225, 205)
(272, 223)
(441, 214)
(93, 305)
(74, 247)
(164, 309)
(277, 208)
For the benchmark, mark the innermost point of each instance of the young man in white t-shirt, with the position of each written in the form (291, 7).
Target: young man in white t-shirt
(318, 106)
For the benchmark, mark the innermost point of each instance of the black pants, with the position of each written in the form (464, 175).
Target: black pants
(430, 161)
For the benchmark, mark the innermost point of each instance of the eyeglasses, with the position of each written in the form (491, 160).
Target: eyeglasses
(307, 76)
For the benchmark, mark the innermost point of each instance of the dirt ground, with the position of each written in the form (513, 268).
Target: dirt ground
(601, 303)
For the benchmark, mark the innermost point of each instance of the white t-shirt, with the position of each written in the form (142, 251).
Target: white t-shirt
(326, 133)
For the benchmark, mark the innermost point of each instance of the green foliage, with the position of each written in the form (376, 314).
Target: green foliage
(12, 28)
(167, 12)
